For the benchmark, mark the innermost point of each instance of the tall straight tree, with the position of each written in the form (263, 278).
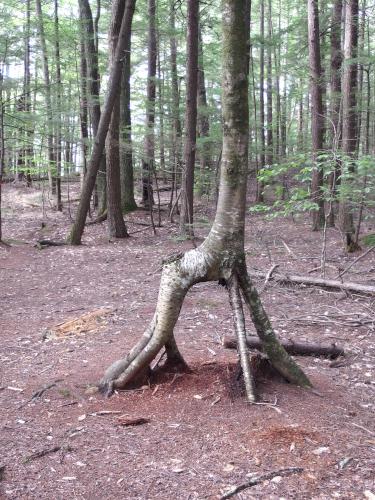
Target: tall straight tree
(270, 124)
(317, 118)
(58, 141)
(187, 188)
(93, 91)
(149, 141)
(260, 187)
(175, 105)
(335, 97)
(221, 256)
(126, 149)
(115, 220)
(350, 118)
(48, 101)
(77, 229)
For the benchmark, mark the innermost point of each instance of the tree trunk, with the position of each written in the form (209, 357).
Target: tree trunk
(335, 97)
(115, 220)
(58, 142)
(317, 119)
(349, 131)
(221, 255)
(269, 157)
(187, 188)
(93, 80)
(126, 151)
(149, 142)
(47, 93)
(260, 186)
(97, 152)
(176, 122)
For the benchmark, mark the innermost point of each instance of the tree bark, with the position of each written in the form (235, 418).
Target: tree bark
(349, 132)
(335, 97)
(48, 99)
(295, 348)
(93, 84)
(149, 142)
(58, 141)
(317, 119)
(221, 255)
(115, 220)
(260, 186)
(187, 188)
(97, 152)
(126, 150)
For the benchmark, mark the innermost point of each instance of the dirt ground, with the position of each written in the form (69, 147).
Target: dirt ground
(200, 438)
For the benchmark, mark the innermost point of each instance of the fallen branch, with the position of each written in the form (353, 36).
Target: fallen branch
(310, 281)
(295, 348)
(355, 261)
(132, 421)
(260, 479)
(49, 243)
(45, 452)
(99, 219)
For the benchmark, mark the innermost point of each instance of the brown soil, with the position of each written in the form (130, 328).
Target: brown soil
(200, 437)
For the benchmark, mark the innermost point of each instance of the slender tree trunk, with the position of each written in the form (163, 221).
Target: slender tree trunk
(221, 255)
(335, 97)
(269, 158)
(176, 122)
(317, 119)
(187, 189)
(48, 99)
(2, 150)
(126, 150)
(98, 148)
(83, 115)
(58, 142)
(115, 220)
(203, 124)
(149, 142)
(27, 93)
(349, 131)
(93, 80)
(260, 187)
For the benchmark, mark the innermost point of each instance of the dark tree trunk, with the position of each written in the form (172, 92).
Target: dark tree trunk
(149, 143)
(317, 119)
(203, 124)
(126, 151)
(335, 97)
(260, 187)
(58, 142)
(97, 152)
(176, 122)
(187, 189)
(349, 128)
(269, 158)
(48, 99)
(115, 220)
(93, 80)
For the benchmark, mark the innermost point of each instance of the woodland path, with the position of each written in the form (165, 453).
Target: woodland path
(202, 437)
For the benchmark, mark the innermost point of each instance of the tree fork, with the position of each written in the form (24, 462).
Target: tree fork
(221, 255)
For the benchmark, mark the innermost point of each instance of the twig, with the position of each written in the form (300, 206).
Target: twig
(268, 276)
(260, 479)
(363, 428)
(45, 452)
(355, 261)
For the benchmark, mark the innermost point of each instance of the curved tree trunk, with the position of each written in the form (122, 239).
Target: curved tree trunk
(221, 256)
(98, 148)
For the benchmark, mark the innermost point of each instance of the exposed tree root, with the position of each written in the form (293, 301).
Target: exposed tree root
(179, 274)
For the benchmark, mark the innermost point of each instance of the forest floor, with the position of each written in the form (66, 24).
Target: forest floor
(199, 438)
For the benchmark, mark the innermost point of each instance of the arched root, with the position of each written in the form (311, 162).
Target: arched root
(239, 326)
(276, 353)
